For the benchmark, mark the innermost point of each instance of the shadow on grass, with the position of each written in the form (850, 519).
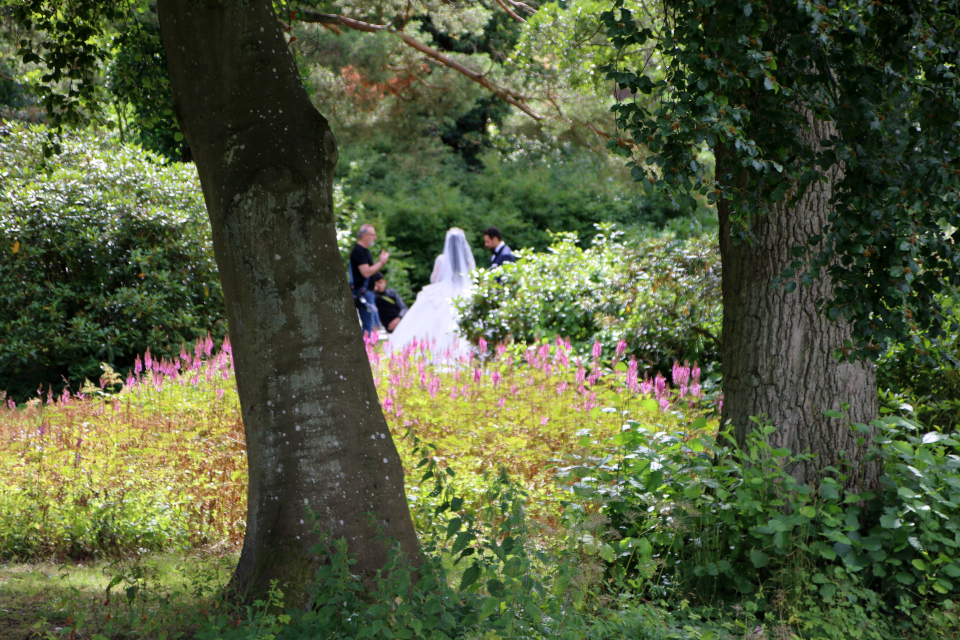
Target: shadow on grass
(144, 596)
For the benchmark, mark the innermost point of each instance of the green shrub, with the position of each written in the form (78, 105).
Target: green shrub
(660, 295)
(925, 379)
(700, 517)
(104, 252)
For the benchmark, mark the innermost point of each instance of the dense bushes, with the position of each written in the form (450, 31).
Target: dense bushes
(660, 295)
(527, 198)
(695, 515)
(104, 252)
(925, 379)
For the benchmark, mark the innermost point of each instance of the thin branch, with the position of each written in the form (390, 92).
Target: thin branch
(510, 96)
(510, 12)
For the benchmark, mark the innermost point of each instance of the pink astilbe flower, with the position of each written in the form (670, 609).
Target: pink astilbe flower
(544, 351)
(495, 378)
(11, 404)
(501, 349)
(387, 404)
(501, 402)
(482, 345)
(219, 394)
(562, 357)
(646, 387)
(137, 366)
(561, 387)
(514, 390)
(226, 346)
(453, 392)
(129, 381)
(544, 421)
(681, 374)
(434, 387)
(664, 403)
(660, 385)
(477, 375)
(632, 375)
(695, 390)
(147, 359)
(208, 345)
(621, 347)
(597, 350)
(695, 373)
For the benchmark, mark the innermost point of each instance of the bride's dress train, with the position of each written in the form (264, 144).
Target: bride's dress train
(432, 318)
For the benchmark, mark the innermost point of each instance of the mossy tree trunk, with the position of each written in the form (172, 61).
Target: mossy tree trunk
(778, 347)
(316, 438)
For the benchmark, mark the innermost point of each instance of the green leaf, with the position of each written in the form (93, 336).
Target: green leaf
(470, 576)
(759, 558)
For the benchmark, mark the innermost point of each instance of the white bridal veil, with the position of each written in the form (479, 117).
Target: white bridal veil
(431, 318)
(456, 262)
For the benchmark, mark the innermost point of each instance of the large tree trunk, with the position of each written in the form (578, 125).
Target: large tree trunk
(317, 440)
(777, 347)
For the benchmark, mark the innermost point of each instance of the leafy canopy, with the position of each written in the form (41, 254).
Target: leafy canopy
(746, 79)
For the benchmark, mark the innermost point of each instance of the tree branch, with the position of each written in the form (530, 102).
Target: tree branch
(510, 12)
(511, 97)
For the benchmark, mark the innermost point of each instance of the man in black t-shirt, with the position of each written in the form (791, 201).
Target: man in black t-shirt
(362, 267)
(390, 306)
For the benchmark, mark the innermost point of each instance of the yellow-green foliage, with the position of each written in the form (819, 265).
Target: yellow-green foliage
(162, 464)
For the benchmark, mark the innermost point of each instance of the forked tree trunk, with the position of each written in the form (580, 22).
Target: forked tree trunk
(316, 438)
(777, 347)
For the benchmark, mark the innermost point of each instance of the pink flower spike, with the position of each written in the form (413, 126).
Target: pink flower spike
(695, 373)
(621, 347)
(501, 349)
(147, 360)
(482, 346)
(495, 377)
(208, 345)
(219, 394)
(500, 403)
(513, 389)
(544, 421)
(660, 385)
(597, 350)
(477, 375)
(453, 392)
(664, 403)
(388, 404)
(137, 366)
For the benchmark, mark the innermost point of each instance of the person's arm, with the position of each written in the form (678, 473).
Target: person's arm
(400, 302)
(436, 269)
(367, 270)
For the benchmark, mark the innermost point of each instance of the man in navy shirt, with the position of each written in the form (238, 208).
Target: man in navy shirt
(493, 240)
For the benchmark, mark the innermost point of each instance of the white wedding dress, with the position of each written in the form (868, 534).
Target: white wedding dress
(432, 317)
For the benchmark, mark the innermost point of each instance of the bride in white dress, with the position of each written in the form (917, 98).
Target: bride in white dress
(432, 317)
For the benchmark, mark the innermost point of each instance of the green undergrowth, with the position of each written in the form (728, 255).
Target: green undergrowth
(142, 595)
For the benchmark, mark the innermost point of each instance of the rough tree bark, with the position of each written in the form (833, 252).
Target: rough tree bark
(316, 438)
(777, 347)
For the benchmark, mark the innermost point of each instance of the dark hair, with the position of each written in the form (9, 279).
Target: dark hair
(493, 232)
(375, 278)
